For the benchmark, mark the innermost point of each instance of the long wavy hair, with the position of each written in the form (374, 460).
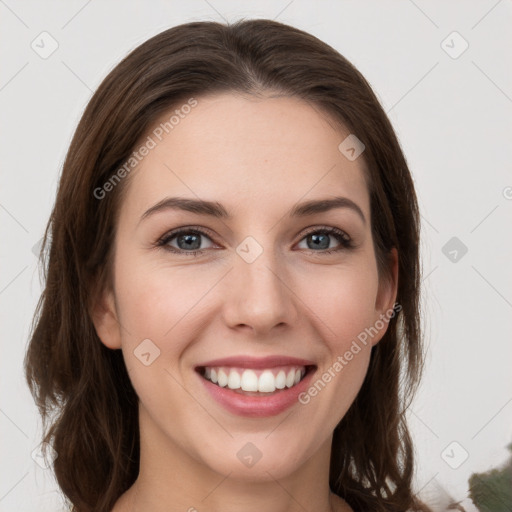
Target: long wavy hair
(82, 389)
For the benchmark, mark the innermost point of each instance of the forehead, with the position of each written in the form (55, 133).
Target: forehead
(242, 150)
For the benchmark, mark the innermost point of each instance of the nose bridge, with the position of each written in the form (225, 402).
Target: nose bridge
(257, 295)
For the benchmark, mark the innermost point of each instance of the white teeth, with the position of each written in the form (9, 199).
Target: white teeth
(234, 380)
(222, 379)
(281, 380)
(248, 380)
(290, 378)
(267, 384)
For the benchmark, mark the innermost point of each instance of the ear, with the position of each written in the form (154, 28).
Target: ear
(104, 318)
(386, 296)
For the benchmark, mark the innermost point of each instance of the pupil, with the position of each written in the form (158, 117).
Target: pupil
(189, 241)
(318, 243)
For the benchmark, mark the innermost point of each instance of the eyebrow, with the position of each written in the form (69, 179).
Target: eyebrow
(215, 209)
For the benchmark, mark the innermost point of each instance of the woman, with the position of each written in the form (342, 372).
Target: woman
(231, 311)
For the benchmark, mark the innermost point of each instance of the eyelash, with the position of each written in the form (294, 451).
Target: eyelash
(345, 241)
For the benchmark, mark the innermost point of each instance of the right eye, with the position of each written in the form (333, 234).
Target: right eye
(188, 241)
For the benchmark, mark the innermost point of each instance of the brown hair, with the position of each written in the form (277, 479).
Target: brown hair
(88, 405)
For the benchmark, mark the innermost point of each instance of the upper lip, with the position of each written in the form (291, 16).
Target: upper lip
(257, 362)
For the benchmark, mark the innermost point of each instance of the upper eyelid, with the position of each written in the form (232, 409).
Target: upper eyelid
(173, 232)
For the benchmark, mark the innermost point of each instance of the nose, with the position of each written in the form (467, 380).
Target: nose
(259, 296)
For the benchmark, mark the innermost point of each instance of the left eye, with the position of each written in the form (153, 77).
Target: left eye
(320, 239)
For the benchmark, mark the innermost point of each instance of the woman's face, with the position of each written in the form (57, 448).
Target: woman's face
(270, 291)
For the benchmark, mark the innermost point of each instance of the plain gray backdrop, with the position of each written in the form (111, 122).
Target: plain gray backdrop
(442, 73)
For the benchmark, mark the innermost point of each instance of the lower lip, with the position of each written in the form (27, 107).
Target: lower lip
(257, 406)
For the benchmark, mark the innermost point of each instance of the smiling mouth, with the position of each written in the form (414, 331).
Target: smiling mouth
(255, 382)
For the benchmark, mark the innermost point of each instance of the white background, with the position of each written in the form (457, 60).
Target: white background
(452, 116)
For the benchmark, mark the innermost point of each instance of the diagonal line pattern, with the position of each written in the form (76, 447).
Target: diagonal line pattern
(198, 402)
(279, 424)
(218, 485)
(284, 9)
(428, 275)
(13, 279)
(490, 284)
(286, 491)
(414, 86)
(216, 11)
(76, 14)
(424, 14)
(15, 485)
(419, 490)
(485, 15)
(424, 424)
(14, 218)
(492, 81)
(76, 76)
(123, 328)
(508, 401)
(14, 76)
(484, 218)
(3, 3)
(1, 410)
(431, 225)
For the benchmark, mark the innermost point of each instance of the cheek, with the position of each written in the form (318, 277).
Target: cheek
(341, 304)
(154, 307)
(154, 300)
(166, 306)
(343, 301)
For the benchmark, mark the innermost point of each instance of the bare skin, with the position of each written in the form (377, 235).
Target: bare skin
(258, 158)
